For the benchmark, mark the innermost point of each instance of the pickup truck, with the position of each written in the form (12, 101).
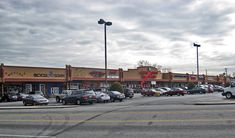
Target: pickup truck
(229, 92)
(60, 96)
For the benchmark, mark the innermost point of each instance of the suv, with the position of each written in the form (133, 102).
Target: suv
(79, 97)
(60, 96)
(229, 92)
(129, 92)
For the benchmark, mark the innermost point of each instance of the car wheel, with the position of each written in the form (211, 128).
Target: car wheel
(64, 102)
(24, 103)
(182, 94)
(78, 102)
(120, 100)
(228, 95)
(57, 99)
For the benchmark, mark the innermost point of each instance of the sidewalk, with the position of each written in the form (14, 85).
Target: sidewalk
(19, 105)
(224, 102)
(218, 100)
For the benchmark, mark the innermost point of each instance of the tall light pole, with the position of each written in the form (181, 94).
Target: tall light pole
(101, 21)
(197, 45)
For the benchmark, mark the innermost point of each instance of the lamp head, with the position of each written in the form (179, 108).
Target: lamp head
(101, 21)
(108, 23)
(196, 45)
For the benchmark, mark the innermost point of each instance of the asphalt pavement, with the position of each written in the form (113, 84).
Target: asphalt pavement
(140, 117)
(216, 100)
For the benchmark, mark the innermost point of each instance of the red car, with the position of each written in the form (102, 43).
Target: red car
(176, 91)
(148, 92)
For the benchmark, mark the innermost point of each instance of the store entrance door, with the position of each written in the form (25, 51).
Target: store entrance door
(42, 88)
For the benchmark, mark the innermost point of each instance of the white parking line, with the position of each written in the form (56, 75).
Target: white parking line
(25, 136)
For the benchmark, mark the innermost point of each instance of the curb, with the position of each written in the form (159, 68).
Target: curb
(208, 103)
(34, 107)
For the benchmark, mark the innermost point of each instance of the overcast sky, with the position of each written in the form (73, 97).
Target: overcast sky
(53, 33)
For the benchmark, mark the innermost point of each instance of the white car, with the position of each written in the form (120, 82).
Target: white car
(229, 92)
(162, 91)
(102, 97)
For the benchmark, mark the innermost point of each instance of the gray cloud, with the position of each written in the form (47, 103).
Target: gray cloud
(55, 33)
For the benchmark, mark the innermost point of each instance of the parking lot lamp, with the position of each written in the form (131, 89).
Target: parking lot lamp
(197, 45)
(101, 21)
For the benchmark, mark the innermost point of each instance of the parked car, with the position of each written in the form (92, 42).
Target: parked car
(229, 92)
(79, 97)
(129, 92)
(9, 97)
(218, 88)
(35, 99)
(21, 96)
(37, 93)
(60, 96)
(150, 92)
(166, 88)
(162, 91)
(207, 87)
(196, 90)
(137, 90)
(102, 97)
(102, 89)
(176, 91)
(115, 95)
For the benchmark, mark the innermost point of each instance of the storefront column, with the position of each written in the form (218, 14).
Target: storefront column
(2, 90)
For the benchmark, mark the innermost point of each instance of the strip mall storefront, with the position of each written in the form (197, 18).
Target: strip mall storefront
(28, 79)
(53, 80)
(94, 78)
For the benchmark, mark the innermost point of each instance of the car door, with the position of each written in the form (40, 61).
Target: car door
(29, 100)
(70, 98)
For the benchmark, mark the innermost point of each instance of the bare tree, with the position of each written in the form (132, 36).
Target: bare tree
(142, 63)
(166, 70)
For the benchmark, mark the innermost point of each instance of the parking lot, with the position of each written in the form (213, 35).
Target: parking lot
(172, 116)
(214, 98)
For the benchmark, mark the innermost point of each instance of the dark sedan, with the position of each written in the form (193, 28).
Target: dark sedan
(196, 90)
(129, 92)
(115, 95)
(9, 97)
(79, 97)
(35, 100)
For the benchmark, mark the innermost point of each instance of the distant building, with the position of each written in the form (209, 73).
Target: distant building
(53, 80)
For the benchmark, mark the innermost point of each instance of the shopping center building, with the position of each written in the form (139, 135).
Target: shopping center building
(53, 80)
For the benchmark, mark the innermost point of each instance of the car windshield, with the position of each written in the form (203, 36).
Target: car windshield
(116, 92)
(36, 96)
(89, 92)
